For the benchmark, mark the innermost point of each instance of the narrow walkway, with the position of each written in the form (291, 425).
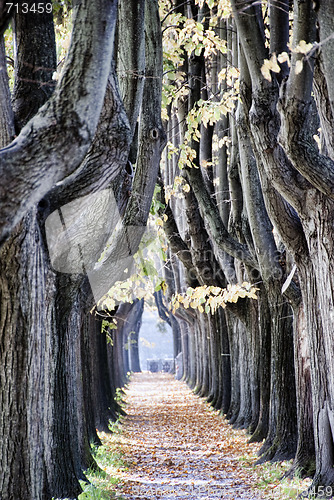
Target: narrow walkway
(177, 446)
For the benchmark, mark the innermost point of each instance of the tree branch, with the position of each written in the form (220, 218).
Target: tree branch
(7, 130)
(262, 110)
(279, 32)
(131, 56)
(297, 111)
(54, 142)
(152, 137)
(325, 16)
(215, 224)
(251, 36)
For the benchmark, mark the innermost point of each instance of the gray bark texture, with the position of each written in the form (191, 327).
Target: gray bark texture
(287, 154)
(275, 223)
(67, 121)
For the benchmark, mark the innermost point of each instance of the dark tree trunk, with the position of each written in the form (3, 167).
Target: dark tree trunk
(192, 359)
(46, 353)
(184, 329)
(35, 62)
(281, 441)
(261, 430)
(234, 335)
(134, 321)
(133, 342)
(224, 397)
(118, 346)
(304, 461)
(244, 417)
(317, 292)
(28, 368)
(204, 356)
(91, 328)
(104, 378)
(67, 390)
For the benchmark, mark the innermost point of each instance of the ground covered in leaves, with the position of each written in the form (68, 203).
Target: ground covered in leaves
(172, 445)
(177, 447)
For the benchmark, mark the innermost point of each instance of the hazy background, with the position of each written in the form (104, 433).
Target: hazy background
(155, 339)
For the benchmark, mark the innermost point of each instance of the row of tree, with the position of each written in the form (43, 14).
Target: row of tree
(66, 182)
(246, 180)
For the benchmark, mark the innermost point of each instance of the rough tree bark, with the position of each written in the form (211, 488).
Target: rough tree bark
(304, 177)
(67, 121)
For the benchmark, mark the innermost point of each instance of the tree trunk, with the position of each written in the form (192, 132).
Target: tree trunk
(244, 417)
(33, 77)
(134, 324)
(234, 334)
(264, 319)
(35, 397)
(281, 441)
(317, 291)
(304, 461)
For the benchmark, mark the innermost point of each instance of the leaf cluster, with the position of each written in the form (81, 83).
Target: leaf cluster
(182, 35)
(222, 8)
(273, 64)
(147, 277)
(209, 298)
(177, 189)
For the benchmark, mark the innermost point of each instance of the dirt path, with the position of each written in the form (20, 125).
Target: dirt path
(177, 447)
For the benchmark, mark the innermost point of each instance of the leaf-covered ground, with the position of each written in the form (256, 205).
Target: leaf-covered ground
(177, 447)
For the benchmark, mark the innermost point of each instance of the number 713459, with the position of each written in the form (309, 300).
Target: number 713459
(24, 8)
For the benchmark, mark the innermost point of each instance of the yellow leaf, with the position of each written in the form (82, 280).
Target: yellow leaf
(164, 286)
(299, 67)
(66, 42)
(265, 70)
(270, 65)
(303, 47)
(283, 57)
(274, 65)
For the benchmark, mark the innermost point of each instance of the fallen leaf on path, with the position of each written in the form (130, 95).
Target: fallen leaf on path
(176, 448)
